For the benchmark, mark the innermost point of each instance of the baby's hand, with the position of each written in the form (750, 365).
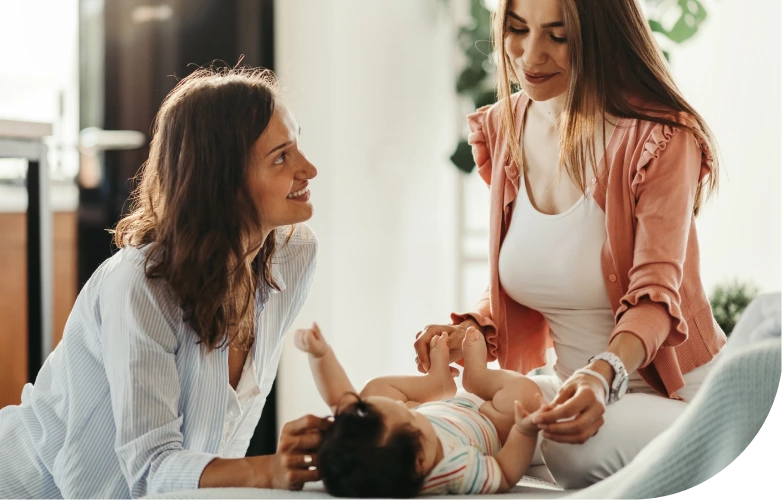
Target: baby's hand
(523, 421)
(311, 341)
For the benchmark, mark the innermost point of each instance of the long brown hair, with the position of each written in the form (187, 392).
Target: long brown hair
(193, 206)
(615, 64)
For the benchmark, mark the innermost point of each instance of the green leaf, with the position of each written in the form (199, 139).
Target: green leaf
(729, 300)
(482, 97)
(462, 157)
(692, 14)
(656, 26)
(469, 78)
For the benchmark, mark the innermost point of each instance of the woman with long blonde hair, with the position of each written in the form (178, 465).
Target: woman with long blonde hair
(597, 168)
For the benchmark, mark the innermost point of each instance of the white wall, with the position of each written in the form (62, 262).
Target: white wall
(371, 84)
(731, 73)
(39, 75)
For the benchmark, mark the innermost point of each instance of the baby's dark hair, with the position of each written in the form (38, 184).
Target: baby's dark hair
(356, 461)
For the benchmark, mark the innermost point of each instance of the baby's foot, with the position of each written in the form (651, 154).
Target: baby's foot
(439, 366)
(474, 352)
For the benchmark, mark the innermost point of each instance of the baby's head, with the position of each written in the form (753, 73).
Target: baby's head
(373, 449)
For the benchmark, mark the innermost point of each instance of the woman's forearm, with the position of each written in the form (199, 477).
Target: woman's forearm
(234, 472)
(628, 348)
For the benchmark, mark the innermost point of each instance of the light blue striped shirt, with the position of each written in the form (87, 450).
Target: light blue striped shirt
(129, 404)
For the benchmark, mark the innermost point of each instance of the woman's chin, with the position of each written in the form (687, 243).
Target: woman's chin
(540, 93)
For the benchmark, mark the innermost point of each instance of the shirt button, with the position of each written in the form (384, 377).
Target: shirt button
(612, 278)
(592, 181)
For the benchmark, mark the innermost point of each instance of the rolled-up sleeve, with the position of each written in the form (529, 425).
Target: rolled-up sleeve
(139, 343)
(664, 188)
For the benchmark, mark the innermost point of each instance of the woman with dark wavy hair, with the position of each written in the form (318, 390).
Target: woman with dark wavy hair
(173, 344)
(597, 168)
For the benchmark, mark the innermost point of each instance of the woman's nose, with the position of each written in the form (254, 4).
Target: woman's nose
(532, 53)
(308, 170)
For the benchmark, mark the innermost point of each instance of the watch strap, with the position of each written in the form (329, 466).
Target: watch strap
(620, 374)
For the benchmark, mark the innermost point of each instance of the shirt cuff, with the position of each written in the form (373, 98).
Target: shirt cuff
(181, 470)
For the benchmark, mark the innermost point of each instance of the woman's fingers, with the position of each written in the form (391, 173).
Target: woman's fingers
(452, 337)
(580, 424)
(305, 424)
(301, 460)
(304, 442)
(574, 421)
(298, 478)
(573, 403)
(302, 434)
(577, 434)
(422, 344)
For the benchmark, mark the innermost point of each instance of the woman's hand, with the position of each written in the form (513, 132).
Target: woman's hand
(576, 414)
(455, 333)
(294, 464)
(296, 460)
(311, 341)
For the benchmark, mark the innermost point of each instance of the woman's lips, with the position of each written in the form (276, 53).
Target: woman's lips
(539, 78)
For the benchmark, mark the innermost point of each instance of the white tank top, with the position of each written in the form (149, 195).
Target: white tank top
(552, 263)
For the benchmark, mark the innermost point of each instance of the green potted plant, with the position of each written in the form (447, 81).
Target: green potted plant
(728, 300)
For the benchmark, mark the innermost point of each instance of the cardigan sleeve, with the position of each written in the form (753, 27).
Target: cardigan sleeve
(668, 173)
(477, 138)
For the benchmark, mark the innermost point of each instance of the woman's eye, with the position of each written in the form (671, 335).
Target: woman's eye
(557, 39)
(280, 159)
(517, 31)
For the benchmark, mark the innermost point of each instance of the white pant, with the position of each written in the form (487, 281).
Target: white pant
(629, 424)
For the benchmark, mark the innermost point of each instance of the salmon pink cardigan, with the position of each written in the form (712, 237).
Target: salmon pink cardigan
(646, 186)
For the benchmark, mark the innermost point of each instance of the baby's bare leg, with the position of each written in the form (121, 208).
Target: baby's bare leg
(498, 387)
(437, 384)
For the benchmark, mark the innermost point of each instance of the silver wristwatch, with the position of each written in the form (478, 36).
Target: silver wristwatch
(620, 380)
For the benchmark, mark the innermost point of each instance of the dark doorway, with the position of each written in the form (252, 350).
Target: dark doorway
(132, 52)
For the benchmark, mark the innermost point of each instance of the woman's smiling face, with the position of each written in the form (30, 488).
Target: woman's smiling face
(279, 174)
(536, 47)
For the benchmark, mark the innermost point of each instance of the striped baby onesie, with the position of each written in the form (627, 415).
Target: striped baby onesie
(470, 443)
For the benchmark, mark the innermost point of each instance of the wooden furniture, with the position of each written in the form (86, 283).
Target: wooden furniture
(13, 294)
(27, 260)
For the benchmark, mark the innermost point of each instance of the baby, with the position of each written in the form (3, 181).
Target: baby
(408, 435)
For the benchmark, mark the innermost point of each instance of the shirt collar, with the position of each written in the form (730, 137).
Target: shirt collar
(278, 277)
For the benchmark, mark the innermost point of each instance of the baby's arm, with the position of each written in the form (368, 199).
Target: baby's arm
(517, 453)
(413, 390)
(329, 375)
